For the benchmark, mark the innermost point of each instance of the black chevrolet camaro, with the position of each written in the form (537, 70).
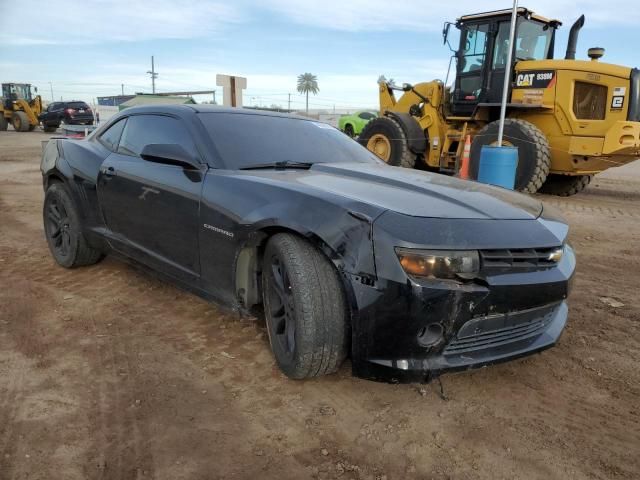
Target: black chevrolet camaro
(409, 273)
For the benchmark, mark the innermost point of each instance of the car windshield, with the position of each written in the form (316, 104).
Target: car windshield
(251, 140)
(77, 105)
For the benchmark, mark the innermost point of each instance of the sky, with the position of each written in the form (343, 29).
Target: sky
(82, 49)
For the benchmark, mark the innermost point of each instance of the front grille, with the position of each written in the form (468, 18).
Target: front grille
(589, 101)
(498, 330)
(517, 259)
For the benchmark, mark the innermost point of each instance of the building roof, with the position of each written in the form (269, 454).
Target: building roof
(156, 100)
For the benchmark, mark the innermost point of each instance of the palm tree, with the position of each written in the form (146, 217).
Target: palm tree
(308, 82)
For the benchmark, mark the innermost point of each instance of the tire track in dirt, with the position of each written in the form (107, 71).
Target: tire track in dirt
(596, 210)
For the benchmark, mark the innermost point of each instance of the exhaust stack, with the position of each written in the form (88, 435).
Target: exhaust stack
(573, 39)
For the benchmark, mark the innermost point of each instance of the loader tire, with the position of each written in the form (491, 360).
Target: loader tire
(385, 137)
(3, 123)
(20, 122)
(565, 185)
(534, 153)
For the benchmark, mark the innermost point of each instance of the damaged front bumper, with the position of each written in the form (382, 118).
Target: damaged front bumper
(412, 330)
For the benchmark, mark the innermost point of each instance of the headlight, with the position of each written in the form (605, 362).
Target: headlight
(445, 264)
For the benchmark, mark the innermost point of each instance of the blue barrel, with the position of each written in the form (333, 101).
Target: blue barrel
(498, 166)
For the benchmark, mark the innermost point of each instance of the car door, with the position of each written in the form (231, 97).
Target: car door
(152, 209)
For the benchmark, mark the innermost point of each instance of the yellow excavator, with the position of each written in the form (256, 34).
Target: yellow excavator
(570, 119)
(19, 107)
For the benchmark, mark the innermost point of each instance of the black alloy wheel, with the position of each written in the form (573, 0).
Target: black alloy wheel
(63, 230)
(281, 318)
(58, 228)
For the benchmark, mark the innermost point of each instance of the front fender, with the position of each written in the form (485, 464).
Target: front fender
(344, 236)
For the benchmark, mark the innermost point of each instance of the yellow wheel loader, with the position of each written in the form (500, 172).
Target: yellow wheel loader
(19, 107)
(570, 119)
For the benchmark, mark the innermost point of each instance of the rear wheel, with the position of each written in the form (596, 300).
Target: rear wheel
(305, 308)
(20, 121)
(3, 122)
(348, 130)
(565, 185)
(386, 138)
(63, 230)
(534, 153)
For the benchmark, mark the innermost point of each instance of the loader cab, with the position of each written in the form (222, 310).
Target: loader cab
(15, 91)
(482, 54)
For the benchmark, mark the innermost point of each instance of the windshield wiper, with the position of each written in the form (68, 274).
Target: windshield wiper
(279, 165)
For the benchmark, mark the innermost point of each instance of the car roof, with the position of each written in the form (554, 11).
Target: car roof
(203, 108)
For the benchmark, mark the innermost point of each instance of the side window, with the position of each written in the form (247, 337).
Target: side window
(366, 116)
(501, 50)
(475, 48)
(143, 130)
(111, 137)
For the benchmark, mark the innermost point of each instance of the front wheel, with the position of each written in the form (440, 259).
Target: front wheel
(305, 308)
(3, 122)
(386, 138)
(534, 153)
(20, 122)
(63, 230)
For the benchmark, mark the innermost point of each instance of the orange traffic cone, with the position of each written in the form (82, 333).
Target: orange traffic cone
(466, 154)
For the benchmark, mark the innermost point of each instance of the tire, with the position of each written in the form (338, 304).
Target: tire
(534, 153)
(49, 128)
(348, 130)
(565, 185)
(20, 122)
(3, 122)
(386, 138)
(305, 308)
(63, 230)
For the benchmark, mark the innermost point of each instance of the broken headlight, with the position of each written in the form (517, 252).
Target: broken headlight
(444, 264)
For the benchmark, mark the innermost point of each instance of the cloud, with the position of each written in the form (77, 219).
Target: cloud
(419, 15)
(99, 21)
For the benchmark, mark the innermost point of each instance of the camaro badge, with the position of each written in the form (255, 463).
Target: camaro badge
(219, 230)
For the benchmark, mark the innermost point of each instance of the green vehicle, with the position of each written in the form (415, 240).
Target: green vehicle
(353, 124)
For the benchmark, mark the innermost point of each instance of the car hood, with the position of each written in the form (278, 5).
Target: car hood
(419, 194)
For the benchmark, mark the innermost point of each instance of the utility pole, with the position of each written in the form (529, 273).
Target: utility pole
(51, 86)
(154, 75)
(214, 97)
(289, 106)
(122, 87)
(507, 72)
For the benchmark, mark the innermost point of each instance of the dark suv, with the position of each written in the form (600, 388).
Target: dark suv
(70, 113)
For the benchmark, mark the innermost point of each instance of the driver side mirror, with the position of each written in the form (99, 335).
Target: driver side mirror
(445, 32)
(169, 154)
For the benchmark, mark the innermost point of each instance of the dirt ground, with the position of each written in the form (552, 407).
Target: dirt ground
(107, 373)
